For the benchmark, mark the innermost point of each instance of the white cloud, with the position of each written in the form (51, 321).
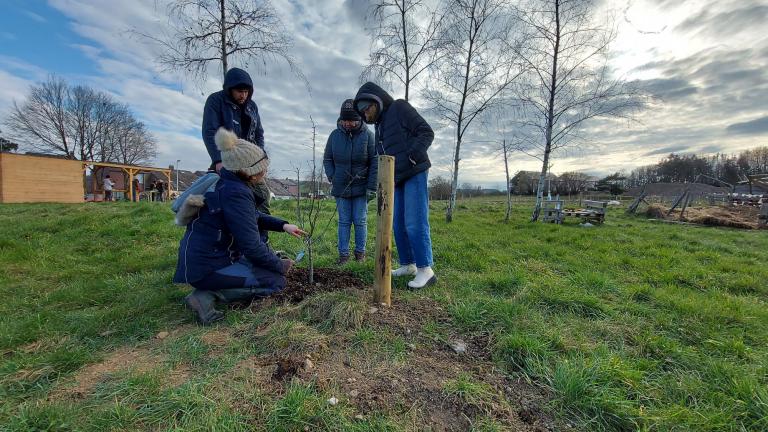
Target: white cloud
(657, 43)
(33, 16)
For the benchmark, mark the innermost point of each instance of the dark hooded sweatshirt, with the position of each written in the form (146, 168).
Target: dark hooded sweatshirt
(221, 111)
(400, 132)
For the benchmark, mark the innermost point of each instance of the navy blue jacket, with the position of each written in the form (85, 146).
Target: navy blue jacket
(220, 110)
(226, 228)
(400, 132)
(350, 161)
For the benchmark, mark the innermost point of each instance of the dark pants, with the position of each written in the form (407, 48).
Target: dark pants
(107, 195)
(243, 275)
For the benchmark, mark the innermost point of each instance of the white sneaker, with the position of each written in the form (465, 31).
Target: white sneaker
(424, 276)
(406, 270)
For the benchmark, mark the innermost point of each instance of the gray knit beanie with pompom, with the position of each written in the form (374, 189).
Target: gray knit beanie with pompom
(240, 155)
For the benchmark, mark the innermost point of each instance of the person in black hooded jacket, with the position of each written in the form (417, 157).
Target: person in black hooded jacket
(234, 109)
(401, 132)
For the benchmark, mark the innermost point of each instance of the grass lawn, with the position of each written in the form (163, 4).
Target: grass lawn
(634, 325)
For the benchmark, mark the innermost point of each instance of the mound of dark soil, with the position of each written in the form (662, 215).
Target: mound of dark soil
(326, 279)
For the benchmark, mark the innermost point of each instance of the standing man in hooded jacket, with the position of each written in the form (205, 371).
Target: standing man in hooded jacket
(401, 132)
(234, 109)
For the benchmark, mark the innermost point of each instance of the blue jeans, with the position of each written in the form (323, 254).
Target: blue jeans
(352, 211)
(411, 222)
(242, 274)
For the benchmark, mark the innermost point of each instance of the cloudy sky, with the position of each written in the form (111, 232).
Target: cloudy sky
(705, 61)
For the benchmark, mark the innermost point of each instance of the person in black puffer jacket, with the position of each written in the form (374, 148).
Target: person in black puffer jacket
(223, 254)
(401, 132)
(349, 161)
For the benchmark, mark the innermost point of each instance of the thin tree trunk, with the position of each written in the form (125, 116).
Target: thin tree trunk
(509, 189)
(405, 52)
(454, 183)
(223, 25)
(311, 261)
(460, 118)
(550, 117)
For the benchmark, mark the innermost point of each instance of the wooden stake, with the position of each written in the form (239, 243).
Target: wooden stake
(677, 202)
(685, 204)
(385, 194)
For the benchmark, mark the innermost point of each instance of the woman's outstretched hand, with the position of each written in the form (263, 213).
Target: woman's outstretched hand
(294, 230)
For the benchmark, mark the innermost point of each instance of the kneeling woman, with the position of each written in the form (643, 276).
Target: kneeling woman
(223, 254)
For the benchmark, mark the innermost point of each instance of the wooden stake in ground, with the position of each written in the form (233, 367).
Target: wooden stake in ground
(385, 195)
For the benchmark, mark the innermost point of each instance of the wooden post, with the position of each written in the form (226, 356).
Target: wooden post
(685, 204)
(385, 190)
(169, 189)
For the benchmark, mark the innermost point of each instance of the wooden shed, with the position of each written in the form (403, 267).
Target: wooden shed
(28, 178)
(40, 178)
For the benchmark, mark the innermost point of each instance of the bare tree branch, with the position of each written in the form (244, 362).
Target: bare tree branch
(203, 33)
(406, 41)
(476, 70)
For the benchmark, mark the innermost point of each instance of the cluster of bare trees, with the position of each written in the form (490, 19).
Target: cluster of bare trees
(543, 63)
(80, 123)
(676, 168)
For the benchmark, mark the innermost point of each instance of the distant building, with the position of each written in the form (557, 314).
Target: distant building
(283, 189)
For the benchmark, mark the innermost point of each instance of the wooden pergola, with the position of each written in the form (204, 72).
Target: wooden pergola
(131, 170)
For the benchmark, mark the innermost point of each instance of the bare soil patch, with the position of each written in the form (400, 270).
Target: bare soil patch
(412, 385)
(744, 217)
(135, 359)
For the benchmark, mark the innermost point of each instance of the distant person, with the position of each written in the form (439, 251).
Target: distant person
(401, 132)
(349, 161)
(108, 185)
(136, 189)
(222, 254)
(234, 109)
(160, 191)
(153, 191)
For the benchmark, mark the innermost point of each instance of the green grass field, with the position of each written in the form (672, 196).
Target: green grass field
(634, 325)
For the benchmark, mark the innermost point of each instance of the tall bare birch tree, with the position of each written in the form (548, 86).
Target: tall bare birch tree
(569, 80)
(222, 32)
(476, 70)
(406, 41)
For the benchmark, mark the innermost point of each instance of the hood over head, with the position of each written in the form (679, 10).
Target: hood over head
(237, 77)
(372, 92)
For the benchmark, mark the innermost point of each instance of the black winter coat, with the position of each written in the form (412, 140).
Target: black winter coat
(221, 111)
(349, 161)
(400, 132)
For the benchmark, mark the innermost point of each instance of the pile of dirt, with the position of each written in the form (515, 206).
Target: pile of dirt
(744, 217)
(325, 279)
(671, 190)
